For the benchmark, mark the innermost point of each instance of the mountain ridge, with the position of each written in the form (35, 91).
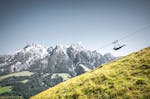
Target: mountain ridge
(35, 52)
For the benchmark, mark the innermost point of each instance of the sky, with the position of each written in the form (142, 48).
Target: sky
(93, 23)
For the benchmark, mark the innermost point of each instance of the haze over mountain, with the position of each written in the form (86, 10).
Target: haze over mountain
(37, 68)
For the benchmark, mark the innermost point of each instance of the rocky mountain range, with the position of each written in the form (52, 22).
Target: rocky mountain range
(49, 65)
(58, 59)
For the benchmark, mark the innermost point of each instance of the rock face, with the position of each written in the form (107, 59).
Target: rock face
(58, 59)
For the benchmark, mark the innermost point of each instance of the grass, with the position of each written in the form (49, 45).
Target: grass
(5, 89)
(2, 64)
(23, 73)
(24, 81)
(65, 76)
(125, 78)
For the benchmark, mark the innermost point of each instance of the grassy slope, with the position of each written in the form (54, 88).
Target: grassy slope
(65, 76)
(5, 89)
(23, 73)
(125, 78)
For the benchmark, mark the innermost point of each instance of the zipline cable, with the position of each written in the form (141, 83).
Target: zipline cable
(127, 36)
(136, 32)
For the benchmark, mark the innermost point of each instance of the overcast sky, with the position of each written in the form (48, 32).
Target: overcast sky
(95, 23)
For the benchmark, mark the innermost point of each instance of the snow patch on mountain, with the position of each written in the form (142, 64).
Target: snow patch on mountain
(36, 50)
(25, 57)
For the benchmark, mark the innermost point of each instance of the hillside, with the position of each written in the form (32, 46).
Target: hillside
(125, 78)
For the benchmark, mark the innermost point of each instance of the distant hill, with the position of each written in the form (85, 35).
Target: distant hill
(125, 78)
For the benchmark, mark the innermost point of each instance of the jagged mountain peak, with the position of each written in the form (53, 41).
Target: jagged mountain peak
(73, 46)
(33, 45)
(25, 57)
(34, 49)
(76, 47)
(64, 48)
(61, 47)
